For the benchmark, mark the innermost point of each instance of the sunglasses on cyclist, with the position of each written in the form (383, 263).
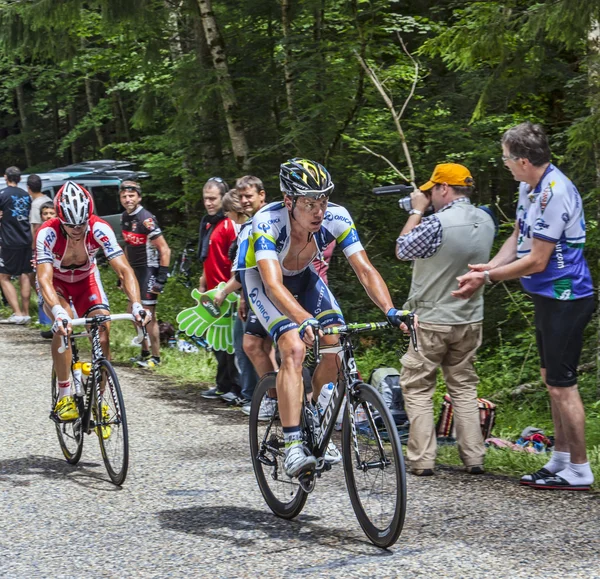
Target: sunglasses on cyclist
(73, 226)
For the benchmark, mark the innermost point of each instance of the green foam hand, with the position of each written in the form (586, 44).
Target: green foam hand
(195, 321)
(220, 333)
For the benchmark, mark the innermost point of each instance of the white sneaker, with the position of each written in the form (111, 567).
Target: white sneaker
(23, 320)
(298, 460)
(332, 454)
(13, 319)
(267, 408)
(246, 408)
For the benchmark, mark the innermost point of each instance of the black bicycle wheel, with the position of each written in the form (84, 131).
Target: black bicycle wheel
(377, 487)
(284, 495)
(70, 435)
(111, 421)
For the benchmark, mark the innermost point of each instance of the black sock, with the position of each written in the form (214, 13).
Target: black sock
(145, 353)
(156, 359)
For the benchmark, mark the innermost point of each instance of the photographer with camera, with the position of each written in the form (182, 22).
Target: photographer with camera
(441, 245)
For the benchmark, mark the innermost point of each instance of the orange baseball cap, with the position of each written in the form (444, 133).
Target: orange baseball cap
(452, 173)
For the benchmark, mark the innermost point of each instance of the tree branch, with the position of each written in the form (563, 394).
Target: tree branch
(390, 105)
(402, 176)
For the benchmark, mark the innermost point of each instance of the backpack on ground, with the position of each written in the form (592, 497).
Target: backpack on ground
(387, 382)
(445, 425)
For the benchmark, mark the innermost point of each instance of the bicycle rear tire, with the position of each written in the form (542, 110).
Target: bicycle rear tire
(284, 496)
(70, 434)
(378, 494)
(112, 430)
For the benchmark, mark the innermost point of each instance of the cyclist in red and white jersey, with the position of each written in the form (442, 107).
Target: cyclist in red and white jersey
(66, 249)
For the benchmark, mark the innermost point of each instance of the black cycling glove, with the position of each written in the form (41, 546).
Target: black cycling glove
(161, 280)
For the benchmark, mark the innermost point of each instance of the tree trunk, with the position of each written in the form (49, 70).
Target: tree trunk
(273, 69)
(56, 128)
(89, 93)
(207, 137)
(123, 114)
(287, 60)
(72, 125)
(216, 45)
(175, 47)
(594, 88)
(24, 124)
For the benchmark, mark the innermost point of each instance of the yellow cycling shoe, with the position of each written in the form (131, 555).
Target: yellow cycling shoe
(66, 409)
(106, 429)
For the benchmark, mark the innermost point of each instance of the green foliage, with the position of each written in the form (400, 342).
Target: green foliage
(134, 79)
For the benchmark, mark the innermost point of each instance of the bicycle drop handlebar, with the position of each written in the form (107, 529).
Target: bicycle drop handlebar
(408, 318)
(142, 333)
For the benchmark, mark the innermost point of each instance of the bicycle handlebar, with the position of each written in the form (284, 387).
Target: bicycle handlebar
(408, 318)
(142, 333)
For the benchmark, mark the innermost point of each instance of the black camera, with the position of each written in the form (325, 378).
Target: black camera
(404, 202)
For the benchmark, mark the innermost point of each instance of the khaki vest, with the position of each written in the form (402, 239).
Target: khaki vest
(467, 236)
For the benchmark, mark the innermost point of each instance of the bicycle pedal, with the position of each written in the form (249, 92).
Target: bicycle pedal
(307, 481)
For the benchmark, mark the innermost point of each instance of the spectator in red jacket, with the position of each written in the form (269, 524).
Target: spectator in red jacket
(217, 233)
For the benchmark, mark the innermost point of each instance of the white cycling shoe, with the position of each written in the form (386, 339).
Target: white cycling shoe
(332, 454)
(298, 460)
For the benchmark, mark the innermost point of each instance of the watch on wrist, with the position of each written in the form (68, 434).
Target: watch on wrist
(415, 212)
(486, 277)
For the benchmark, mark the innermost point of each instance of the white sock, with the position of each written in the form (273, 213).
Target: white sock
(64, 389)
(558, 461)
(577, 474)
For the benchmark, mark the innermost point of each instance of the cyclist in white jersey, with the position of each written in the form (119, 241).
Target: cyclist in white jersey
(275, 265)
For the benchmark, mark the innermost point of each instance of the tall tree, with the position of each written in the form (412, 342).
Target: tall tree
(216, 45)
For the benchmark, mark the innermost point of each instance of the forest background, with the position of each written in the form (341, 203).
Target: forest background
(189, 89)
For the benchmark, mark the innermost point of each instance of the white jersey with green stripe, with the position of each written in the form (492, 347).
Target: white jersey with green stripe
(269, 237)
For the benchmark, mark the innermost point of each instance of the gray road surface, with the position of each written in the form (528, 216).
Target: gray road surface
(191, 507)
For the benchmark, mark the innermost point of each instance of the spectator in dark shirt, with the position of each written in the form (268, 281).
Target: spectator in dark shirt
(15, 254)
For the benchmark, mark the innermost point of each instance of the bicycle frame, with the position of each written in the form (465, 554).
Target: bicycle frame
(94, 323)
(348, 379)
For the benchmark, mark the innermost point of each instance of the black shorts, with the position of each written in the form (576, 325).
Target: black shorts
(559, 327)
(146, 276)
(253, 327)
(15, 260)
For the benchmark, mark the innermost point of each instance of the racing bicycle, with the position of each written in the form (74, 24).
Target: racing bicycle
(371, 450)
(99, 399)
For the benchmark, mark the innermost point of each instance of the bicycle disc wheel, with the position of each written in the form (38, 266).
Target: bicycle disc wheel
(70, 435)
(377, 487)
(284, 495)
(111, 421)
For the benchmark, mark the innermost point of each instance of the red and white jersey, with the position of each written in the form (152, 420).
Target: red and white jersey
(51, 246)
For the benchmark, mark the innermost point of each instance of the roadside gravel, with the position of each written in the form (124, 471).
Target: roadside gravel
(190, 506)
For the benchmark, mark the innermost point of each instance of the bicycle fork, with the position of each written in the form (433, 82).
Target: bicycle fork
(373, 432)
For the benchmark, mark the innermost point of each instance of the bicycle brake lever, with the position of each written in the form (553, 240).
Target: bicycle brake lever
(65, 340)
(141, 330)
(316, 349)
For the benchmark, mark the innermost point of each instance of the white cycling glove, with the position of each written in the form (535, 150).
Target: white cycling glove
(60, 315)
(137, 309)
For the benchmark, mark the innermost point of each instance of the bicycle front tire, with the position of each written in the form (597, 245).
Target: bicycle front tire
(377, 487)
(111, 423)
(70, 434)
(284, 496)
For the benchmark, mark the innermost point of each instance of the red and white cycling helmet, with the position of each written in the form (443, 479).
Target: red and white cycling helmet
(73, 204)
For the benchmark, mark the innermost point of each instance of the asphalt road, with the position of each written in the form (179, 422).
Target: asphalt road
(190, 506)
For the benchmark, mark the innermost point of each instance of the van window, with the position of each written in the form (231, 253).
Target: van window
(106, 200)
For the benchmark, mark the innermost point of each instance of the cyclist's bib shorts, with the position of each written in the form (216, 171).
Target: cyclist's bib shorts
(307, 287)
(86, 295)
(253, 327)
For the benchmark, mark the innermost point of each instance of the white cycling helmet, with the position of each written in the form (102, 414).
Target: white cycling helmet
(73, 204)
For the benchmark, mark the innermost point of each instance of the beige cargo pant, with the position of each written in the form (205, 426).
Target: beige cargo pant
(453, 349)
